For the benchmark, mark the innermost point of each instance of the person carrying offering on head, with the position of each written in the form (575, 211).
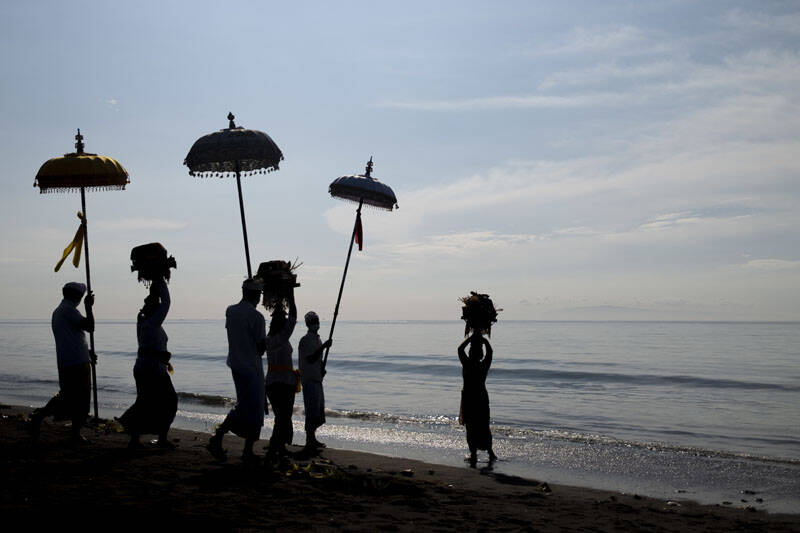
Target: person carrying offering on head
(282, 381)
(310, 351)
(247, 336)
(74, 359)
(479, 314)
(156, 400)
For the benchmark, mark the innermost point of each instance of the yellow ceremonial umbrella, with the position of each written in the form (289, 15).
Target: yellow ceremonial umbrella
(77, 172)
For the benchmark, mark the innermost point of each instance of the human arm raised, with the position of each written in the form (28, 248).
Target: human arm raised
(462, 355)
(487, 360)
(87, 324)
(159, 287)
(292, 305)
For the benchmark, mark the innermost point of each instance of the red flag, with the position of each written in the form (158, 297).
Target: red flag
(359, 232)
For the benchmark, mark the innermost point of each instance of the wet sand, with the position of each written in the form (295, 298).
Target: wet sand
(103, 485)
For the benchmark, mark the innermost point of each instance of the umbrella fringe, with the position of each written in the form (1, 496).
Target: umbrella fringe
(229, 174)
(57, 190)
(365, 204)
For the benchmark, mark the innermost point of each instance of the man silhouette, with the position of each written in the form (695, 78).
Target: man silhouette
(246, 345)
(74, 359)
(310, 361)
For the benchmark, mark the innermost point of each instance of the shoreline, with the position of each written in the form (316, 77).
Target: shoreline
(53, 482)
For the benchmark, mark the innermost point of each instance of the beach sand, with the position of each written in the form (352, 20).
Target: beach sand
(103, 485)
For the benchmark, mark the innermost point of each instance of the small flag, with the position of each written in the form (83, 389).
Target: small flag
(359, 232)
(76, 245)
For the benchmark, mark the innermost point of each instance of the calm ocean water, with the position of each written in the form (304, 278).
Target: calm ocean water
(693, 410)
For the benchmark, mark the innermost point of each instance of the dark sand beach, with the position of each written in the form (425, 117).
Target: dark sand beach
(104, 486)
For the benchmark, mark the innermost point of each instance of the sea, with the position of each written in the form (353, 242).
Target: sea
(702, 411)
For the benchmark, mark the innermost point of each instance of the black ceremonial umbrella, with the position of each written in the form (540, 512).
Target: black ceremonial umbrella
(362, 190)
(81, 171)
(234, 151)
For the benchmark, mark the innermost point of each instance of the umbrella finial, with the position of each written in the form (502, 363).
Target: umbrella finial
(369, 168)
(231, 125)
(79, 144)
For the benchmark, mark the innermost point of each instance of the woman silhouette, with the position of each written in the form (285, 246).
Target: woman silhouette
(281, 380)
(156, 400)
(474, 397)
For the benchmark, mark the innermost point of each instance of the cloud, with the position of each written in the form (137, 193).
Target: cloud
(740, 19)
(621, 38)
(771, 265)
(754, 74)
(533, 101)
(133, 224)
(457, 245)
(602, 73)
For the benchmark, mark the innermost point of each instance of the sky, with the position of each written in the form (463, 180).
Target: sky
(574, 160)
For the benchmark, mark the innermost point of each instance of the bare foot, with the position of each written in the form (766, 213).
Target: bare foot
(165, 444)
(214, 447)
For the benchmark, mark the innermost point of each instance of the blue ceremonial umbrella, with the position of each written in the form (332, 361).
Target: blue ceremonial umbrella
(361, 189)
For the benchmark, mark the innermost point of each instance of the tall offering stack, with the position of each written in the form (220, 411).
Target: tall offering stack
(479, 313)
(150, 262)
(279, 279)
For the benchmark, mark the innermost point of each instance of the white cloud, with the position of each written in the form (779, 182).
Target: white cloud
(603, 73)
(755, 74)
(456, 245)
(133, 224)
(533, 101)
(741, 19)
(621, 38)
(771, 265)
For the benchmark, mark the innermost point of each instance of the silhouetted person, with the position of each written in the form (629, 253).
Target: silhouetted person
(281, 382)
(309, 360)
(246, 344)
(74, 359)
(156, 400)
(474, 397)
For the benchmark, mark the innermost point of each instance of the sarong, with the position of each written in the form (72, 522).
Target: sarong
(314, 403)
(247, 416)
(72, 400)
(156, 400)
(281, 396)
(475, 414)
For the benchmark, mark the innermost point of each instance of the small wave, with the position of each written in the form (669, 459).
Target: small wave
(554, 434)
(641, 379)
(207, 399)
(390, 418)
(18, 381)
(573, 376)
(512, 432)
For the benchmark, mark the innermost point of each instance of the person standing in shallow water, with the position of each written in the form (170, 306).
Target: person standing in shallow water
(156, 400)
(281, 382)
(74, 359)
(246, 344)
(474, 397)
(309, 360)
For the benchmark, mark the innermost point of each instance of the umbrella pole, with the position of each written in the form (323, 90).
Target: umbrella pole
(341, 287)
(244, 224)
(89, 291)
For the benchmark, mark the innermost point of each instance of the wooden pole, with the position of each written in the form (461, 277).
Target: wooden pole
(89, 291)
(244, 224)
(341, 287)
